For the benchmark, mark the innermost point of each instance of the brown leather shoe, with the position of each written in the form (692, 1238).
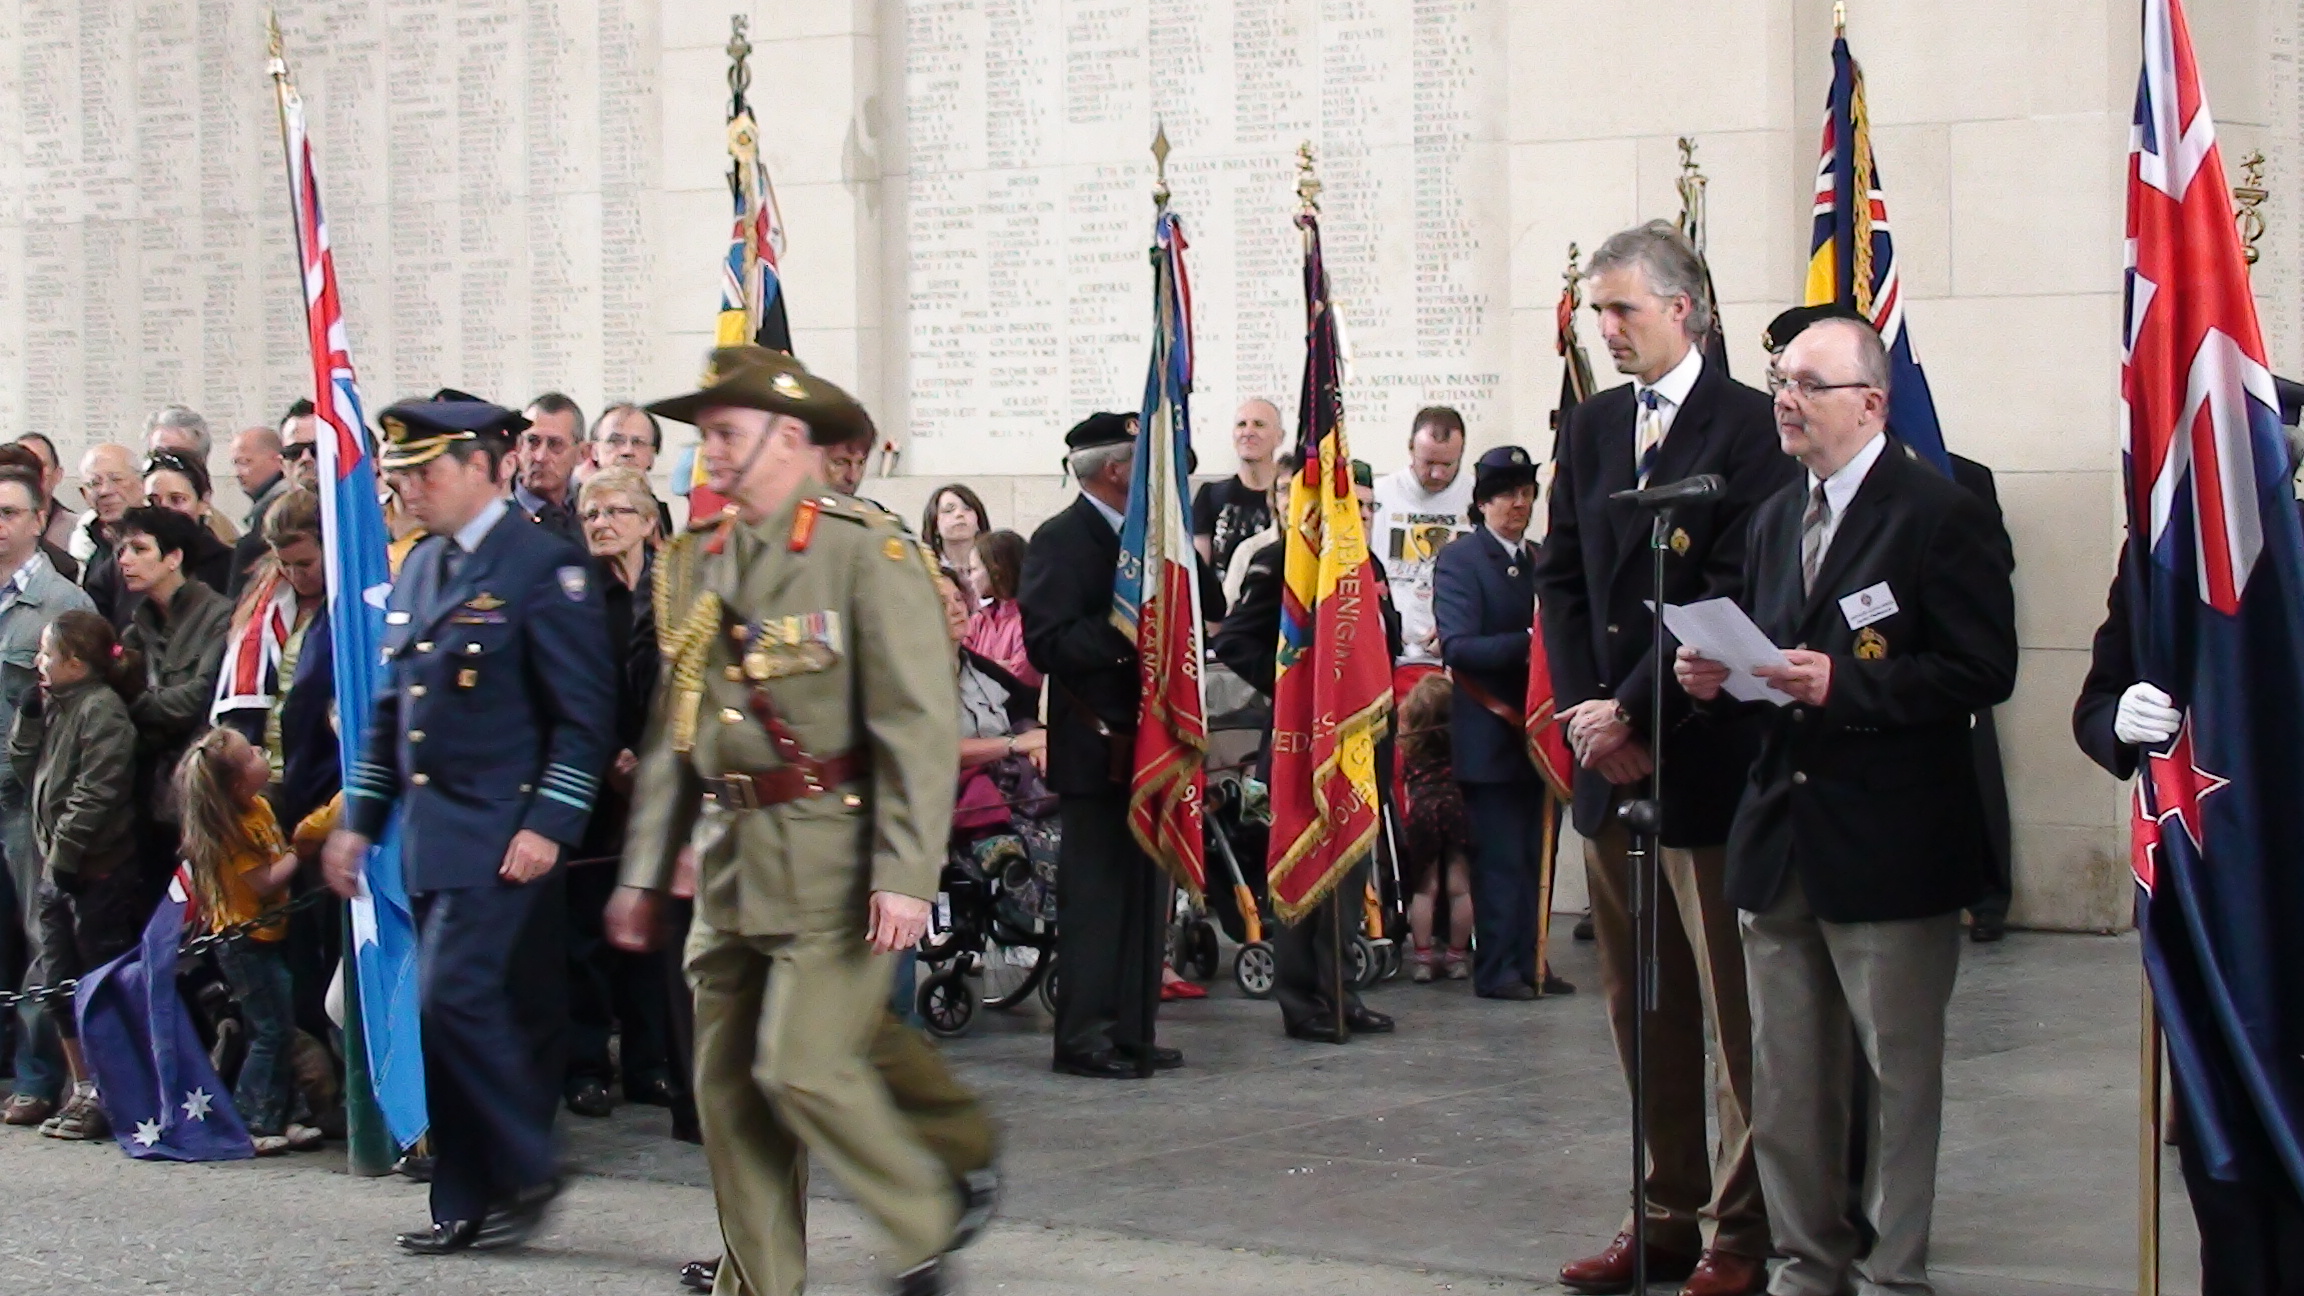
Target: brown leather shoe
(1610, 1271)
(1724, 1273)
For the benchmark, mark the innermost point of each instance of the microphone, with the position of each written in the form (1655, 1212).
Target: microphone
(1687, 490)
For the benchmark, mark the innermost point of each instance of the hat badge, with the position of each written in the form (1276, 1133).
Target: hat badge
(394, 428)
(787, 386)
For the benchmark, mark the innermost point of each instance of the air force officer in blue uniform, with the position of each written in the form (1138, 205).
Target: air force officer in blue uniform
(490, 738)
(1484, 605)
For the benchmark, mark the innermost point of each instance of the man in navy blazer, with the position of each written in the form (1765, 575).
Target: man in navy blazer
(489, 737)
(1483, 606)
(1680, 416)
(1861, 834)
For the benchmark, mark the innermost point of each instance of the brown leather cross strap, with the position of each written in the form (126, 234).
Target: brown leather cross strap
(763, 788)
(1489, 702)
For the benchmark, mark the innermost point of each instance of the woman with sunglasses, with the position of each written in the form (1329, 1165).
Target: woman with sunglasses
(177, 482)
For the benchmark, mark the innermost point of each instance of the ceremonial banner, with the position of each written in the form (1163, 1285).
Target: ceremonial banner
(2215, 572)
(1334, 687)
(160, 1093)
(359, 577)
(1852, 257)
(751, 284)
(1156, 593)
(1547, 741)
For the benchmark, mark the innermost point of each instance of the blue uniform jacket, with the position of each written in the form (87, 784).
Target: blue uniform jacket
(1484, 609)
(498, 710)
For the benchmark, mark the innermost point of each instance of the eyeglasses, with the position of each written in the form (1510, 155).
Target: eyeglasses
(1809, 388)
(599, 511)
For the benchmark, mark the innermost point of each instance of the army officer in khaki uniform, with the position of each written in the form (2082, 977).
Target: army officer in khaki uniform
(806, 743)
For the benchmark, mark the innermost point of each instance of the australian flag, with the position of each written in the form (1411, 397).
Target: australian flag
(160, 1093)
(2215, 571)
(359, 577)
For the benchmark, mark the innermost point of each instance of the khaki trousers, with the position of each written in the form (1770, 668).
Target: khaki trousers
(1817, 986)
(1697, 1198)
(785, 1027)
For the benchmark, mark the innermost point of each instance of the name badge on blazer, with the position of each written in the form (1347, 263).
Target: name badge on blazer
(1867, 605)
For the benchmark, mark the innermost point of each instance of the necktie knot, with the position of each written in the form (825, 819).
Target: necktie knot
(1648, 398)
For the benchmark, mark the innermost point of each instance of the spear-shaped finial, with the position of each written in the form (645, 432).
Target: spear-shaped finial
(1160, 165)
(1839, 18)
(1691, 184)
(276, 49)
(2247, 196)
(739, 72)
(1307, 183)
(1573, 276)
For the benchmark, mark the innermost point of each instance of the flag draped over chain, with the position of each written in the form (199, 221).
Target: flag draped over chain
(1334, 687)
(1156, 594)
(359, 576)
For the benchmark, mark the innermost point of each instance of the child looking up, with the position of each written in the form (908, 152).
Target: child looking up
(241, 866)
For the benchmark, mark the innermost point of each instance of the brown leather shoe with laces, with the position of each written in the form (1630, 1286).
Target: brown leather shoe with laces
(1724, 1273)
(1610, 1271)
(26, 1109)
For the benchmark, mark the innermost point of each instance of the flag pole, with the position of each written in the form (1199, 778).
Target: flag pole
(2149, 1118)
(368, 1143)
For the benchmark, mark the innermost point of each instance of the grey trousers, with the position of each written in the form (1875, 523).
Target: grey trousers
(1815, 986)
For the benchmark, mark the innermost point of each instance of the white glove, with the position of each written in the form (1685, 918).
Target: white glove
(2146, 716)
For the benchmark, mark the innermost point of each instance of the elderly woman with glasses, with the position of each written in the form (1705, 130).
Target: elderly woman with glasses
(608, 988)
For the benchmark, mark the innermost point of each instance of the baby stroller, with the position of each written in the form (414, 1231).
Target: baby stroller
(992, 939)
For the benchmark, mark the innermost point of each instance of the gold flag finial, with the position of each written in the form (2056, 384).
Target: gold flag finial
(1839, 18)
(739, 53)
(276, 48)
(1160, 165)
(1691, 183)
(1307, 183)
(1573, 276)
(2247, 196)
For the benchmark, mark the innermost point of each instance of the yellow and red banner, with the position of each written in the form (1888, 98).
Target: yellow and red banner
(1334, 688)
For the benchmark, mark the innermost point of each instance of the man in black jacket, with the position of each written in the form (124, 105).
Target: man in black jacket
(1108, 920)
(1861, 834)
(1679, 417)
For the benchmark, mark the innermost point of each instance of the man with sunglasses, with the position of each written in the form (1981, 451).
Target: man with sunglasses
(295, 465)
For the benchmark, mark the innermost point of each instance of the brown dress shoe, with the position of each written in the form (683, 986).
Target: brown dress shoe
(1724, 1273)
(1610, 1271)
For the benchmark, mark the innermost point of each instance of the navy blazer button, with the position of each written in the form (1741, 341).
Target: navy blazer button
(1799, 779)
(416, 690)
(525, 789)
(471, 650)
(1613, 630)
(415, 735)
(424, 645)
(420, 780)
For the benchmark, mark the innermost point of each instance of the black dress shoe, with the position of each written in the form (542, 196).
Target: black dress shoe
(1105, 1065)
(445, 1237)
(1367, 1021)
(416, 1166)
(655, 1091)
(1164, 1059)
(1319, 1031)
(1984, 931)
(923, 1279)
(513, 1222)
(699, 1275)
(1522, 991)
(979, 1201)
(1558, 985)
(589, 1098)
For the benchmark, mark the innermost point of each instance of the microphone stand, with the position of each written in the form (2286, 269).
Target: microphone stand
(1644, 819)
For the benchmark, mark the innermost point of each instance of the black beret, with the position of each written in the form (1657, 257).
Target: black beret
(1101, 430)
(1787, 326)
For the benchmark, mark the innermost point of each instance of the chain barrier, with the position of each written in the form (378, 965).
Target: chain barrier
(192, 947)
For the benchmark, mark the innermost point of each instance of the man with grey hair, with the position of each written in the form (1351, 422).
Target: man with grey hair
(181, 429)
(1108, 919)
(1861, 834)
(1679, 417)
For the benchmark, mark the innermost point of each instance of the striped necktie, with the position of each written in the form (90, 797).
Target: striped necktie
(1812, 524)
(1648, 434)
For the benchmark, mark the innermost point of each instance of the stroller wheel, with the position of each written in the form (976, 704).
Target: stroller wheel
(1253, 970)
(1362, 964)
(1199, 959)
(947, 1002)
(1048, 974)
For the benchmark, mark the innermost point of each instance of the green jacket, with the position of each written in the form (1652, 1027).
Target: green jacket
(884, 691)
(183, 654)
(78, 755)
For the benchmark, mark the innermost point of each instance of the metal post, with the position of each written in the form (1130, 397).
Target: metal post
(2148, 1150)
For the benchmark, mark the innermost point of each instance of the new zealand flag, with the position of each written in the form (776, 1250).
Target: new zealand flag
(2215, 566)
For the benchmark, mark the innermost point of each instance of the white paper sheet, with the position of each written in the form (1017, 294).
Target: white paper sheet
(1719, 630)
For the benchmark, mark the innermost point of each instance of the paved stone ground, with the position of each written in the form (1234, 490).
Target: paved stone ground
(1471, 1152)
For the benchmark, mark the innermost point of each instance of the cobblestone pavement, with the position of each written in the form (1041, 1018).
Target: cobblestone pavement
(1471, 1152)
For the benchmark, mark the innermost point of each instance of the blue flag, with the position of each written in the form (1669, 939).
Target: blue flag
(359, 576)
(2215, 572)
(160, 1093)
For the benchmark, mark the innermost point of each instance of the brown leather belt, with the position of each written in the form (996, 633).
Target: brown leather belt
(760, 789)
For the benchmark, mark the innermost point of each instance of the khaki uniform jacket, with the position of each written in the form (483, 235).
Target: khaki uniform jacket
(888, 693)
(78, 756)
